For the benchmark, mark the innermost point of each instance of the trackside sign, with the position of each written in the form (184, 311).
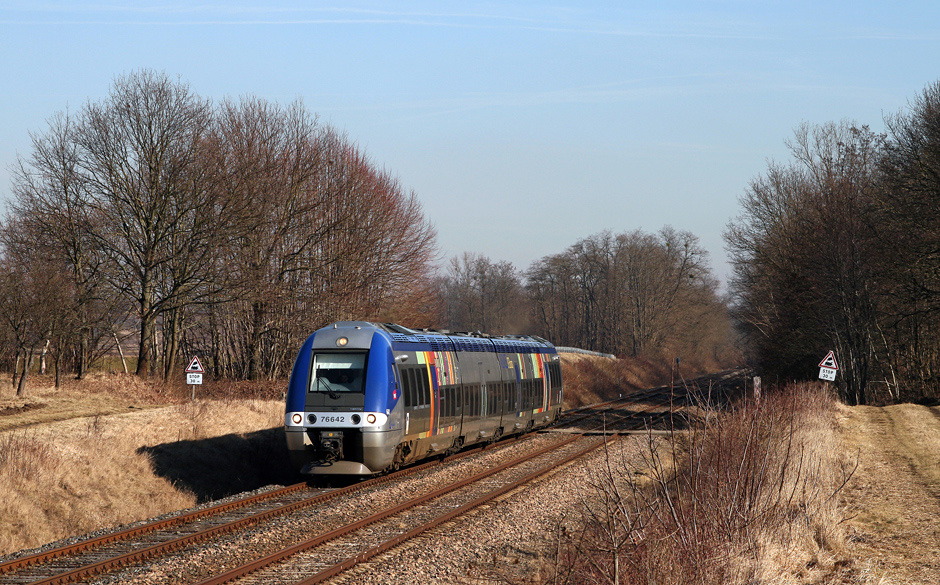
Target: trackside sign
(828, 367)
(194, 371)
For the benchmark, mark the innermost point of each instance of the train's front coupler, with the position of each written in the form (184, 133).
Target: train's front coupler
(331, 445)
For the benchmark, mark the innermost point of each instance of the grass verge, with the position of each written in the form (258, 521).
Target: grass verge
(748, 496)
(77, 476)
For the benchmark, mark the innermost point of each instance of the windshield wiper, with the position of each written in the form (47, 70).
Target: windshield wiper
(330, 392)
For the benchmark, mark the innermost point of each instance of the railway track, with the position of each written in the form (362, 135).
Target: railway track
(340, 547)
(84, 559)
(333, 552)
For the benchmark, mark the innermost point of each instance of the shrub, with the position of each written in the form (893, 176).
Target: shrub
(746, 497)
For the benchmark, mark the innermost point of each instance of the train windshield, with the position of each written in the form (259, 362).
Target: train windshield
(334, 373)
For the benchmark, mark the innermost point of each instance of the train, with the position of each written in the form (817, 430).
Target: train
(367, 398)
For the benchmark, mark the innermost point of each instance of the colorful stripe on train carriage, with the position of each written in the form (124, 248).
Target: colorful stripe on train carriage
(428, 363)
(546, 381)
(441, 366)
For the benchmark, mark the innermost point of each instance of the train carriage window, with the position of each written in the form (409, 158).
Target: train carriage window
(425, 391)
(338, 372)
(406, 391)
(415, 386)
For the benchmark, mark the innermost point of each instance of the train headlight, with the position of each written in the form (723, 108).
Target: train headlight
(370, 418)
(342, 341)
(311, 418)
(356, 418)
(297, 418)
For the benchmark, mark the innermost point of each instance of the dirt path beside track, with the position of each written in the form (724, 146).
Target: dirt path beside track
(893, 502)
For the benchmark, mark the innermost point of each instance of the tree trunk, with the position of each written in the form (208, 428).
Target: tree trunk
(148, 322)
(254, 350)
(120, 351)
(82, 353)
(21, 388)
(172, 343)
(16, 367)
(57, 362)
(42, 358)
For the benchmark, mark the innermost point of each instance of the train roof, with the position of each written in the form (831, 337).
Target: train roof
(467, 340)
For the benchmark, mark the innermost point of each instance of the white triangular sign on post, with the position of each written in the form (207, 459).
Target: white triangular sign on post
(195, 367)
(829, 362)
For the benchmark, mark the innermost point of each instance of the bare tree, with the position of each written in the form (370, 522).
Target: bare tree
(50, 207)
(909, 230)
(804, 255)
(139, 153)
(322, 236)
(482, 295)
(632, 293)
(35, 299)
(234, 231)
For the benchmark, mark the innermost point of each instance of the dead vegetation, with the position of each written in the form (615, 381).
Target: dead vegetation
(749, 496)
(591, 379)
(76, 475)
(894, 505)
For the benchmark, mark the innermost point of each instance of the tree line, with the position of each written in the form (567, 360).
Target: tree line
(632, 294)
(153, 224)
(839, 249)
(156, 218)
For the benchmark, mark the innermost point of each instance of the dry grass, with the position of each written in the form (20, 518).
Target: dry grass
(76, 476)
(98, 394)
(894, 505)
(750, 497)
(591, 379)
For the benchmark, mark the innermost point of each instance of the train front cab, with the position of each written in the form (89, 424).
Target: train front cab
(339, 418)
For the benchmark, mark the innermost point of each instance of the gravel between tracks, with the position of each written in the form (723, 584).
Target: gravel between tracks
(506, 540)
(500, 539)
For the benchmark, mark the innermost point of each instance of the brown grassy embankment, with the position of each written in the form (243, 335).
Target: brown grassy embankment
(73, 476)
(748, 496)
(591, 379)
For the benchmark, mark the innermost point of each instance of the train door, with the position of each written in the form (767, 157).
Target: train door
(488, 413)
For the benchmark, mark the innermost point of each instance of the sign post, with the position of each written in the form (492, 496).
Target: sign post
(194, 372)
(828, 367)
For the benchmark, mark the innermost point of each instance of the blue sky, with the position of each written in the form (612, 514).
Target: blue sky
(521, 126)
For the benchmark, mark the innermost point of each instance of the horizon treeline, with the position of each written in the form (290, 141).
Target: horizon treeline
(155, 224)
(630, 294)
(839, 249)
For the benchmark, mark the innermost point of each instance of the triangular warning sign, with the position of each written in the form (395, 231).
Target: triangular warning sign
(829, 362)
(195, 367)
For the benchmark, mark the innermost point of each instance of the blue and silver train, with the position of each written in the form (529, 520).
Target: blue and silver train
(366, 398)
